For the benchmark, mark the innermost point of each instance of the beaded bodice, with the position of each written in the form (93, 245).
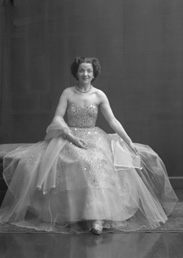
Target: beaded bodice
(82, 117)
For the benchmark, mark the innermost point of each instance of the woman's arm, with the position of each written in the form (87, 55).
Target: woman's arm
(58, 123)
(113, 122)
(61, 110)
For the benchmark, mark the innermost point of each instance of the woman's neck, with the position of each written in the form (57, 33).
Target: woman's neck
(84, 88)
(84, 85)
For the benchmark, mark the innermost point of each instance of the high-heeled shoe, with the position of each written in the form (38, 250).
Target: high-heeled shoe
(97, 228)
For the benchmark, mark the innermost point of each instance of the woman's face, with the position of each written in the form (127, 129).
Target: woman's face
(85, 73)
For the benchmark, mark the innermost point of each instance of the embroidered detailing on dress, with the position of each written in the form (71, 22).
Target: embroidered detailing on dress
(84, 117)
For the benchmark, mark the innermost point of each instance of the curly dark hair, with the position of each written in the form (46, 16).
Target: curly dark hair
(91, 60)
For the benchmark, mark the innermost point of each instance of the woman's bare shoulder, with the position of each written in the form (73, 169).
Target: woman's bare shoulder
(97, 91)
(100, 94)
(68, 92)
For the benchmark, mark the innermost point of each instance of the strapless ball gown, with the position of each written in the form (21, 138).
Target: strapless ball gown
(56, 186)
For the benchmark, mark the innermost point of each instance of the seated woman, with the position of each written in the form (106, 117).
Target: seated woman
(81, 178)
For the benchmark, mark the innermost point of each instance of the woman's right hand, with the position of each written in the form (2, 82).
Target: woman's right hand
(79, 143)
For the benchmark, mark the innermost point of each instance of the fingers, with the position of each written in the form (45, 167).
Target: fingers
(82, 144)
(135, 150)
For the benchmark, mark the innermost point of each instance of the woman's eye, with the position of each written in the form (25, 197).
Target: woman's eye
(82, 71)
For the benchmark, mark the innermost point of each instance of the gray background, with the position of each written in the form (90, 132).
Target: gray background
(139, 44)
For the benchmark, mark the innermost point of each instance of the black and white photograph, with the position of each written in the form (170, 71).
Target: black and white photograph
(91, 128)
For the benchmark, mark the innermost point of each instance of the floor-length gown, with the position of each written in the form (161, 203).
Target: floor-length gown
(56, 186)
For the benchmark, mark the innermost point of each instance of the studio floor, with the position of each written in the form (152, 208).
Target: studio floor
(107, 245)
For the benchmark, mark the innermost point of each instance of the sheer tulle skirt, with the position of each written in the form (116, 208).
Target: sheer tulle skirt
(56, 186)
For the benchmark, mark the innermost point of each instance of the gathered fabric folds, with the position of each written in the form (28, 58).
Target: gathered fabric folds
(56, 186)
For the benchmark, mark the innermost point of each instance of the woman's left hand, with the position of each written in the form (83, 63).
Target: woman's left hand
(133, 148)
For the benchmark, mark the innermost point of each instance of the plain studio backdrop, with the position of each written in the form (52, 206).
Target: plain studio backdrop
(139, 44)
